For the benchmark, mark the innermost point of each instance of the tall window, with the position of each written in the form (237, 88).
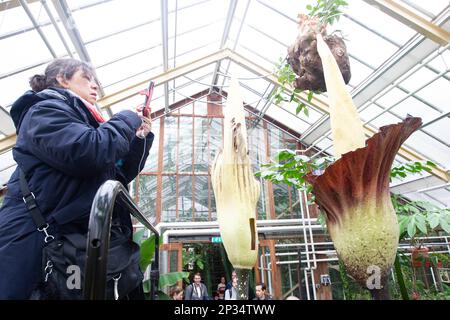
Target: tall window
(175, 184)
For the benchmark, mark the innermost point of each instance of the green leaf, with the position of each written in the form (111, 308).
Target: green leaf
(412, 227)
(310, 95)
(421, 223)
(200, 264)
(431, 164)
(171, 278)
(433, 219)
(306, 111)
(444, 221)
(300, 107)
(147, 252)
(402, 223)
(309, 7)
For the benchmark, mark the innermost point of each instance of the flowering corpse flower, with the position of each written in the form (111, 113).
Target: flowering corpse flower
(354, 194)
(354, 191)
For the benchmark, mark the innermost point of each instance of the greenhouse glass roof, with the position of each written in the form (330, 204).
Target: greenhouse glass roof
(399, 56)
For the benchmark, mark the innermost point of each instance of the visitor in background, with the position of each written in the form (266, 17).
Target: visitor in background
(230, 283)
(261, 293)
(222, 284)
(221, 293)
(196, 290)
(176, 293)
(231, 294)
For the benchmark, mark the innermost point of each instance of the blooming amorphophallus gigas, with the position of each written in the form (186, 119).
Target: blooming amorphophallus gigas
(236, 192)
(353, 192)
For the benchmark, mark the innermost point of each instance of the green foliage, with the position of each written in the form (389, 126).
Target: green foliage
(291, 168)
(286, 75)
(322, 220)
(147, 252)
(403, 170)
(171, 278)
(328, 11)
(420, 218)
(194, 258)
(416, 285)
(345, 281)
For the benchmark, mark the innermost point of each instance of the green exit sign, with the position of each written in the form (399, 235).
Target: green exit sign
(216, 239)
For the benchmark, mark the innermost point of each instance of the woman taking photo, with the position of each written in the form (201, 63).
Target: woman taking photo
(66, 151)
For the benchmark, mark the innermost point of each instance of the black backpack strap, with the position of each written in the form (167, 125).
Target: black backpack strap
(30, 203)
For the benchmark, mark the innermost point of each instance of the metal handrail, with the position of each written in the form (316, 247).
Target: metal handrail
(110, 193)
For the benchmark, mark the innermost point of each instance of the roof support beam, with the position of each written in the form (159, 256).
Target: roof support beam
(165, 48)
(412, 20)
(7, 143)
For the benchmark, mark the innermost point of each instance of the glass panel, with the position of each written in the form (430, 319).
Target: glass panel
(201, 145)
(185, 198)
(15, 55)
(185, 145)
(201, 108)
(140, 11)
(215, 137)
(261, 208)
(169, 195)
(147, 195)
(173, 261)
(275, 140)
(170, 143)
(281, 201)
(151, 165)
(187, 109)
(201, 198)
(213, 203)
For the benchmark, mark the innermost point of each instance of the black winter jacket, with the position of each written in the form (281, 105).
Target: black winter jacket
(66, 155)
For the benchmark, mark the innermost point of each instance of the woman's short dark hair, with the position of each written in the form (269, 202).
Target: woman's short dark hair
(59, 67)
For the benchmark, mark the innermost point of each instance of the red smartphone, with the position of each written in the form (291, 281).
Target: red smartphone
(148, 97)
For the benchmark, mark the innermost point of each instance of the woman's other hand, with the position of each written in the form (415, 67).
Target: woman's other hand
(145, 128)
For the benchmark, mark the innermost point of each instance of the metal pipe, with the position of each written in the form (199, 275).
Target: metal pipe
(269, 276)
(162, 226)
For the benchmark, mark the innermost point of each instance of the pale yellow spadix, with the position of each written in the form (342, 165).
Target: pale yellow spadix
(235, 189)
(346, 126)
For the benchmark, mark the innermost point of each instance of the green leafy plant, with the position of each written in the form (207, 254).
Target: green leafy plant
(402, 171)
(329, 11)
(291, 168)
(286, 75)
(420, 218)
(193, 258)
